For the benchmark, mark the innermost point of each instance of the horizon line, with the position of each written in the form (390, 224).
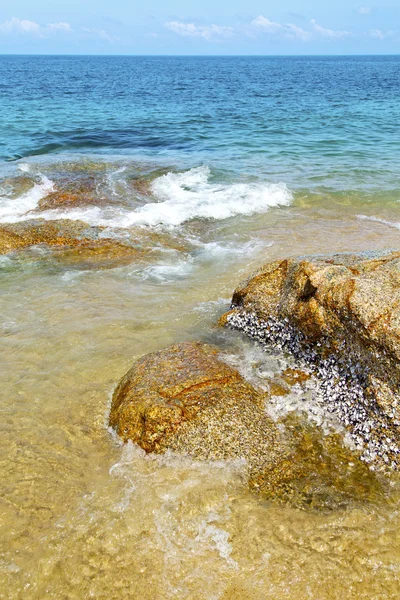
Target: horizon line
(192, 55)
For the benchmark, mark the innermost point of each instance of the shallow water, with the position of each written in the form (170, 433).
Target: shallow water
(86, 517)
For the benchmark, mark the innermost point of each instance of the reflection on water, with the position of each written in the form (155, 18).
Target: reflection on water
(83, 516)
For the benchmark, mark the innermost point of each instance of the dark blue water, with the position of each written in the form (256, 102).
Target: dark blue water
(312, 122)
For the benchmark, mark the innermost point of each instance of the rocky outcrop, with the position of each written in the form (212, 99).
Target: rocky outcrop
(188, 400)
(61, 232)
(340, 315)
(79, 241)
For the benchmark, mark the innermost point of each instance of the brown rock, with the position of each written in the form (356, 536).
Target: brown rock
(78, 241)
(294, 376)
(347, 305)
(186, 399)
(76, 188)
(90, 187)
(320, 294)
(14, 187)
(278, 387)
(318, 472)
(165, 390)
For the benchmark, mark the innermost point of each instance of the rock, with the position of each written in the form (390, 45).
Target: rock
(186, 399)
(340, 314)
(165, 390)
(78, 184)
(14, 187)
(90, 186)
(318, 472)
(72, 193)
(78, 241)
(294, 376)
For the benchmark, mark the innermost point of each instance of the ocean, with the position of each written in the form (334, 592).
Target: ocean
(220, 164)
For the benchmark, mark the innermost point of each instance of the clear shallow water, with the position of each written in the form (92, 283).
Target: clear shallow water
(243, 160)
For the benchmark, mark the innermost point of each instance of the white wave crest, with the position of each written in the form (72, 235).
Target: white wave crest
(190, 195)
(15, 209)
(181, 197)
(378, 220)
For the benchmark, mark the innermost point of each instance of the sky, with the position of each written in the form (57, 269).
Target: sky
(205, 27)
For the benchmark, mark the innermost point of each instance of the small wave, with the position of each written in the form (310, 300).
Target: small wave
(15, 209)
(189, 195)
(213, 306)
(163, 274)
(182, 197)
(179, 197)
(225, 251)
(212, 252)
(378, 220)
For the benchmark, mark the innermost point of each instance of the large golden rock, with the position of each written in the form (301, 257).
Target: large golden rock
(342, 313)
(186, 399)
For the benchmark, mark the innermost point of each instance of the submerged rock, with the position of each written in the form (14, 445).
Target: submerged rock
(14, 187)
(77, 185)
(341, 315)
(318, 471)
(78, 241)
(92, 184)
(186, 399)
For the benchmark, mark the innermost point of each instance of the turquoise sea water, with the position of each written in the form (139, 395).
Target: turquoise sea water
(312, 122)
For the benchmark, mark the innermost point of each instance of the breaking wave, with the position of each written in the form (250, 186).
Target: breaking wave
(178, 198)
(15, 209)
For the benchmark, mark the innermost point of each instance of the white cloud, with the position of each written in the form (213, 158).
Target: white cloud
(101, 34)
(298, 32)
(207, 32)
(26, 27)
(378, 34)
(288, 30)
(22, 26)
(60, 26)
(267, 25)
(328, 33)
(364, 10)
(15, 25)
(273, 29)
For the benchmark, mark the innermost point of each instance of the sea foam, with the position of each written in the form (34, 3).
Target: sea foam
(16, 209)
(179, 197)
(190, 195)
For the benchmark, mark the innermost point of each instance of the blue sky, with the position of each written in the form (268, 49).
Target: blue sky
(208, 27)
